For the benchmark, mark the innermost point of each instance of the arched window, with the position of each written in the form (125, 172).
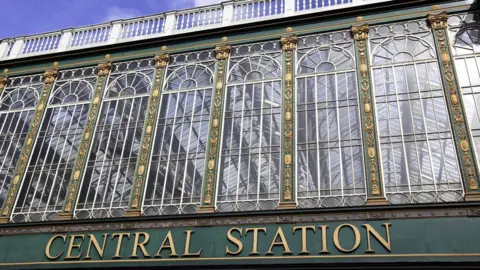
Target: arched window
(419, 161)
(250, 165)
(106, 187)
(17, 110)
(465, 40)
(329, 140)
(177, 169)
(45, 184)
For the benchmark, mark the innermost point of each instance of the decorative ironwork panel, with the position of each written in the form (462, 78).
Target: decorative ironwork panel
(464, 32)
(420, 164)
(45, 184)
(178, 159)
(18, 101)
(250, 165)
(329, 139)
(106, 186)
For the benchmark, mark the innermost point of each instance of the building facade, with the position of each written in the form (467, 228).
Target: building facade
(250, 134)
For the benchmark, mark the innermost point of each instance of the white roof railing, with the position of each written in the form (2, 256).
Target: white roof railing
(170, 23)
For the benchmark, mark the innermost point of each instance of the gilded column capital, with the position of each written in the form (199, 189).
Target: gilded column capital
(3, 81)
(289, 43)
(161, 61)
(438, 21)
(49, 76)
(222, 52)
(104, 69)
(360, 32)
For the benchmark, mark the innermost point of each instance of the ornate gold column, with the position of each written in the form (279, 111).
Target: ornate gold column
(49, 79)
(3, 82)
(143, 163)
(287, 194)
(215, 129)
(456, 110)
(85, 144)
(371, 153)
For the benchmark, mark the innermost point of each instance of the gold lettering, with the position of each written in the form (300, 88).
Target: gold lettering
(336, 240)
(283, 242)
(49, 246)
(324, 239)
(304, 237)
(255, 238)
(234, 241)
(96, 245)
(119, 243)
(141, 245)
(187, 253)
(171, 246)
(380, 239)
(72, 245)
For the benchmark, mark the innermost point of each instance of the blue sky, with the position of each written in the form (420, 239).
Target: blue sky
(26, 17)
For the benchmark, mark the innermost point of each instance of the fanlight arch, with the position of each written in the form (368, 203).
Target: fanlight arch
(129, 84)
(20, 98)
(190, 76)
(72, 91)
(467, 39)
(254, 68)
(320, 60)
(402, 49)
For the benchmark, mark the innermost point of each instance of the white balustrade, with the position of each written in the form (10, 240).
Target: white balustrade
(199, 17)
(170, 23)
(142, 27)
(91, 35)
(248, 9)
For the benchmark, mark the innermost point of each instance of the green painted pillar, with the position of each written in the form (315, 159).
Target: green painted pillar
(49, 79)
(371, 151)
(215, 129)
(287, 178)
(456, 109)
(143, 163)
(85, 144)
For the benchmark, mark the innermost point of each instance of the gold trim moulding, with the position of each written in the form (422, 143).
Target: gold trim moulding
(4, 220)
(287, 205)
(377, 201)
(65, 216)
(206, 209)
(132, 213)
(472, 197)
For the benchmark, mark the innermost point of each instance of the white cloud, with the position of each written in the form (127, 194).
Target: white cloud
(199, 3)
(116, 13)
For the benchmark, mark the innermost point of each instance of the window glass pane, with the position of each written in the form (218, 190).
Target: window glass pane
(48, 173)
(105, 190)
(250, 157)
(329, 147)
(419, 161)
(175, 180)
(17, 109)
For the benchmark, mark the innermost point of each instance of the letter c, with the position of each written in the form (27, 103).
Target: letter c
(49, 246)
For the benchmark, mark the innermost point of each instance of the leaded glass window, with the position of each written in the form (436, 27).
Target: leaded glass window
(329, 142)
(45, 184)
(17, 108)
(465, 40)
(419, 161)
(105, 191)
(176, 174)
(250, 165)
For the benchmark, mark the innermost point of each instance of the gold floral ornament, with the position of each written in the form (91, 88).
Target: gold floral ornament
(49, 78)
(103, 69)
(360, 34)
(289, 44)
(221, 53)
(3, 82)
(439, 24)
(161, 62)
